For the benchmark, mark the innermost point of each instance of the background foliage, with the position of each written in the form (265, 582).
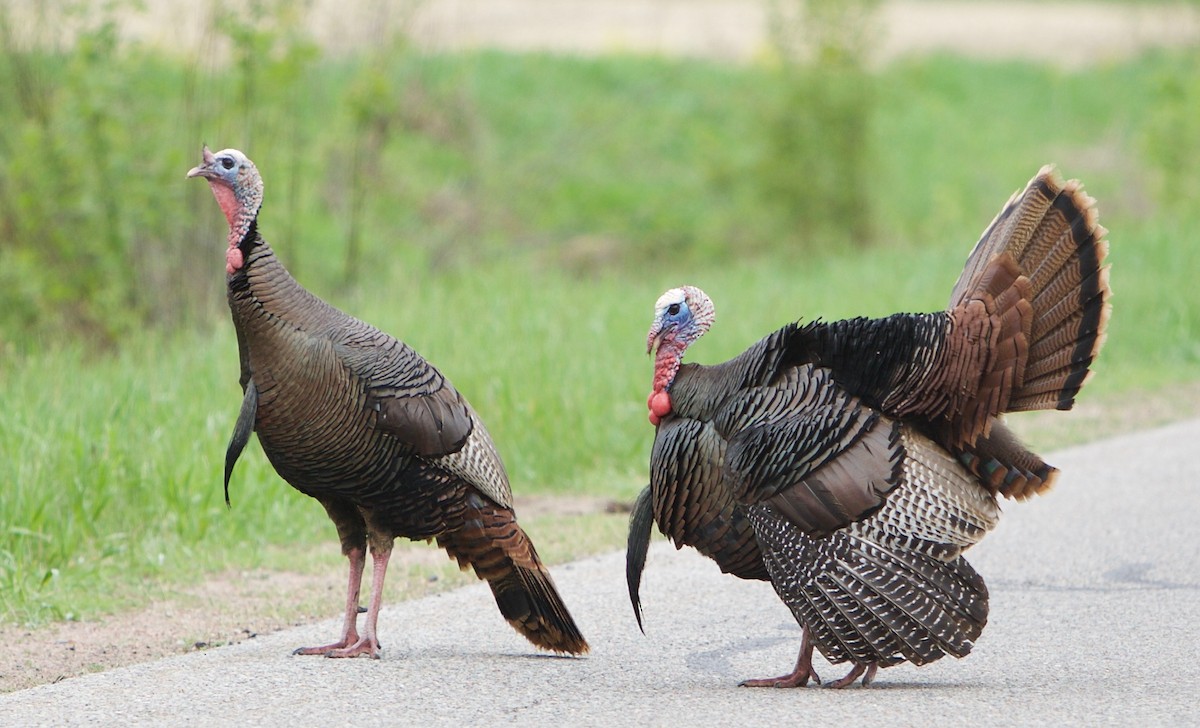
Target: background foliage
(513, 217)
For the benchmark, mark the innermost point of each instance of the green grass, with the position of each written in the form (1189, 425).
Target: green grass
(519, 217)
(113, 463)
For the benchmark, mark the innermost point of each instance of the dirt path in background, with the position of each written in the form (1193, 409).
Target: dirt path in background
(1064, 33)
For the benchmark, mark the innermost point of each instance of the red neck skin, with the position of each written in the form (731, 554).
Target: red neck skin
(666, 362)
(666, 365)
(239, 219)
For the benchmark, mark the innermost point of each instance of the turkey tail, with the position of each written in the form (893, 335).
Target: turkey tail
(1049, 237)
(491, 542)
(1006, 466)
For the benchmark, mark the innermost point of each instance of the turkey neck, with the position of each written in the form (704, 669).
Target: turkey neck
(267, 303)
(286, 340)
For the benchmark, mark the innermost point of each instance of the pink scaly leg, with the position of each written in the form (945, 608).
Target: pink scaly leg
(797, 678)
(368, 644)
(358, 560)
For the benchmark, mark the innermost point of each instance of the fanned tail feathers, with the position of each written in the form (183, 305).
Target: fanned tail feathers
(1050, 231)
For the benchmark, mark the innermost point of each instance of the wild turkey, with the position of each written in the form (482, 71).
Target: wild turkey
(359, 421)
(866, 455)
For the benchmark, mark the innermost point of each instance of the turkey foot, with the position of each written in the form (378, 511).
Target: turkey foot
(364, 646)
(870, 668)
(348, 640)
(798, 677)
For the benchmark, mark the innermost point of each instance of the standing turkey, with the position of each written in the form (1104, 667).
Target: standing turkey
(359, 421)
(855, 461)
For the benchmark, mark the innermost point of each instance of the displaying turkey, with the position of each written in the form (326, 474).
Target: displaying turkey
(359, 421)
(857, 460)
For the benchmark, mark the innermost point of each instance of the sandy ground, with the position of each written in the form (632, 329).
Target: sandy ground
(225, 609)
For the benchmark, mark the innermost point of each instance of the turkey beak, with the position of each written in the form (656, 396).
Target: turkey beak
(205, 169)
(654, 338)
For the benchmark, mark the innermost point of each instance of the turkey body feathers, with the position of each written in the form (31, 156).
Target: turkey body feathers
(869, 604)
(339, 402)
(359, 421)
(813, 451)
(867, 454)
(690, 505)
(859, 520)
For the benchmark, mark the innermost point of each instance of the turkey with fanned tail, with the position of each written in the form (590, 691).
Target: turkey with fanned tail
(852, 463)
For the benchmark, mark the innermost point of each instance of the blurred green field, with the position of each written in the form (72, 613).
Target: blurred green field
(513, 217)
(112, 463)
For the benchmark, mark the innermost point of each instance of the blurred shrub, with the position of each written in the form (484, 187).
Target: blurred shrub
(64, 147)
(815, 170)
(98, 235)
(388, 164)
(1172, 134)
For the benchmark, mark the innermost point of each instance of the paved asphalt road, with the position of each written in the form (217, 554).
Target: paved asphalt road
(1095, 621)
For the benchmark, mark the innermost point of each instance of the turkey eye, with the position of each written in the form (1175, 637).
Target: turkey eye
(673, 309)
(227, 162)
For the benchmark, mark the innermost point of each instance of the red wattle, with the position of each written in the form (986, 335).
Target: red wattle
(234, 260)
(660, 403)
(654, 419)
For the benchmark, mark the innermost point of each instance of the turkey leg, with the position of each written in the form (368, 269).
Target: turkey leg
(368, 644)
(797, 678)
(357, 557)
